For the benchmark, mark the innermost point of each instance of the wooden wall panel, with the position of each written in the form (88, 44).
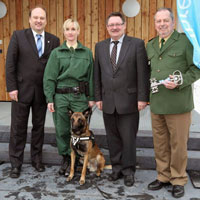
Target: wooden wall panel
(168, 3)
(102, 20)
(138, 22)
(160, 3)
(19, 15)
(74, 9)
(116, 6)
(12, 16)
(25, 10)
(145, 20)
(94, 25)
(88, 13)
(81, 19)
(91, 15)
(52, 16)
(60, 20)
(152, 9)
(46, 5)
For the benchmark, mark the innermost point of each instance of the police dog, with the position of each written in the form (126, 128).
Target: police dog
(83, 144)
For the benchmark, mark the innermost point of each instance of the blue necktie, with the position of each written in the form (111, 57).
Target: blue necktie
(39, 44)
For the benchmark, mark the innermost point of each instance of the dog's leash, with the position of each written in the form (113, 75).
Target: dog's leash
(104, 194)
(89, 117)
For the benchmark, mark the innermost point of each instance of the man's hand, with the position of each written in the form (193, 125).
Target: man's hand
(91, 103)
(170, 84)
(141, 105)
(99, 105)
(14, 95)
(51, 107)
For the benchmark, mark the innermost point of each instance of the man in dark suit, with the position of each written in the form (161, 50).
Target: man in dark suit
(121, 90)
(27, 56)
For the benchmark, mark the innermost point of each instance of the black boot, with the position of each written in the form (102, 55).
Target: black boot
(64, 165)
(77, 167)
(1, 162)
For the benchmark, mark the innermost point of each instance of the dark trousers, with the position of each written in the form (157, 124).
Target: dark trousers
(18, 134)
(121, 130)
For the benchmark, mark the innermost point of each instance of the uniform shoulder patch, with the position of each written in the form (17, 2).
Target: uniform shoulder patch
(182, 33)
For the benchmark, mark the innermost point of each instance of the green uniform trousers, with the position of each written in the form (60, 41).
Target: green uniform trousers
(62, 103)
(170, 136)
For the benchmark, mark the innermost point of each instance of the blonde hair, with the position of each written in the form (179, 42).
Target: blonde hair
(68, 22)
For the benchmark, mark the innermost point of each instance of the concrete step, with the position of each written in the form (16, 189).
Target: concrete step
(50, 154)
(145, 156)
(144, 138)
(145, 152)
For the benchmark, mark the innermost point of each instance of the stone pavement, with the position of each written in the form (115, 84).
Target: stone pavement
(48, 185)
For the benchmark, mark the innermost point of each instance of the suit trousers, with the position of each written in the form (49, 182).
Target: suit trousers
(121, 130)
(18, 134)
(170, 136)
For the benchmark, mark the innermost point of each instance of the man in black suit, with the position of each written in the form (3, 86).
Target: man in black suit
(121, 90)
(27, 56)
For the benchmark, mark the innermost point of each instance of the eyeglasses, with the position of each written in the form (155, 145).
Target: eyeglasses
(112, 25)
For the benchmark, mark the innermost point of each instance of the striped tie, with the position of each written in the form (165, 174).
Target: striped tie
(39, 44)
(114, 55)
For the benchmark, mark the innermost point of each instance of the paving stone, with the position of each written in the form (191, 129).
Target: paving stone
(49, 185)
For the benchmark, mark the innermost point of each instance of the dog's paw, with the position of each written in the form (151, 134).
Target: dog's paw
(69, 178)
(82, 182)
(98, 174)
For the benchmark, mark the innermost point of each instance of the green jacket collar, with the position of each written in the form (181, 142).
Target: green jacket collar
(155, 43)
(65, 47)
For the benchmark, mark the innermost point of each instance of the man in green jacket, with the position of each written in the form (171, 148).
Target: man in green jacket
(170, 57)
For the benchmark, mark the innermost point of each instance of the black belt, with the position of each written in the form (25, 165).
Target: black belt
(75, 90)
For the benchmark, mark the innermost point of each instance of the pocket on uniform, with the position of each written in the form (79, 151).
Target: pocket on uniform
(175, 53)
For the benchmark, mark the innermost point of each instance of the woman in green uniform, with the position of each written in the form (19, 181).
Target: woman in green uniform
(68, 84)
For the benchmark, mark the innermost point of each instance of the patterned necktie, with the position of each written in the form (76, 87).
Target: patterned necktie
(39, 44)
(114, 55)
(162, 43)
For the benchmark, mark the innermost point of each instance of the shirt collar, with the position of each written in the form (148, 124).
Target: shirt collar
(166, 38)
(120, 39)
(34, 33)
(74, 46)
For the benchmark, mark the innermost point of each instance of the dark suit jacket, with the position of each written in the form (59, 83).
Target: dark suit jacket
(24, 68)
(129, 84)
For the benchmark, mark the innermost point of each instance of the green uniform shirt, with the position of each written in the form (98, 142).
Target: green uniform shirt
(66, 68)
(176, 54)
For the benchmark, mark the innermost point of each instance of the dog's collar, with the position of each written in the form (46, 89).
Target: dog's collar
(75, 139)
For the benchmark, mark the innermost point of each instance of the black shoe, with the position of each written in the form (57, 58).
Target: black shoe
(38, 166)
(114, 176)
(15, 172)
(77, 167)
(129, 180)
(1, 162)
(178, 191)
(157, 185)
(65, 164)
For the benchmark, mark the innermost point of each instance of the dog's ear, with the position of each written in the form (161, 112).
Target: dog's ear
(87, 112)
(70, 112)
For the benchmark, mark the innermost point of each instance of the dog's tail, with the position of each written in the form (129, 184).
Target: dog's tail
(108, 167)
